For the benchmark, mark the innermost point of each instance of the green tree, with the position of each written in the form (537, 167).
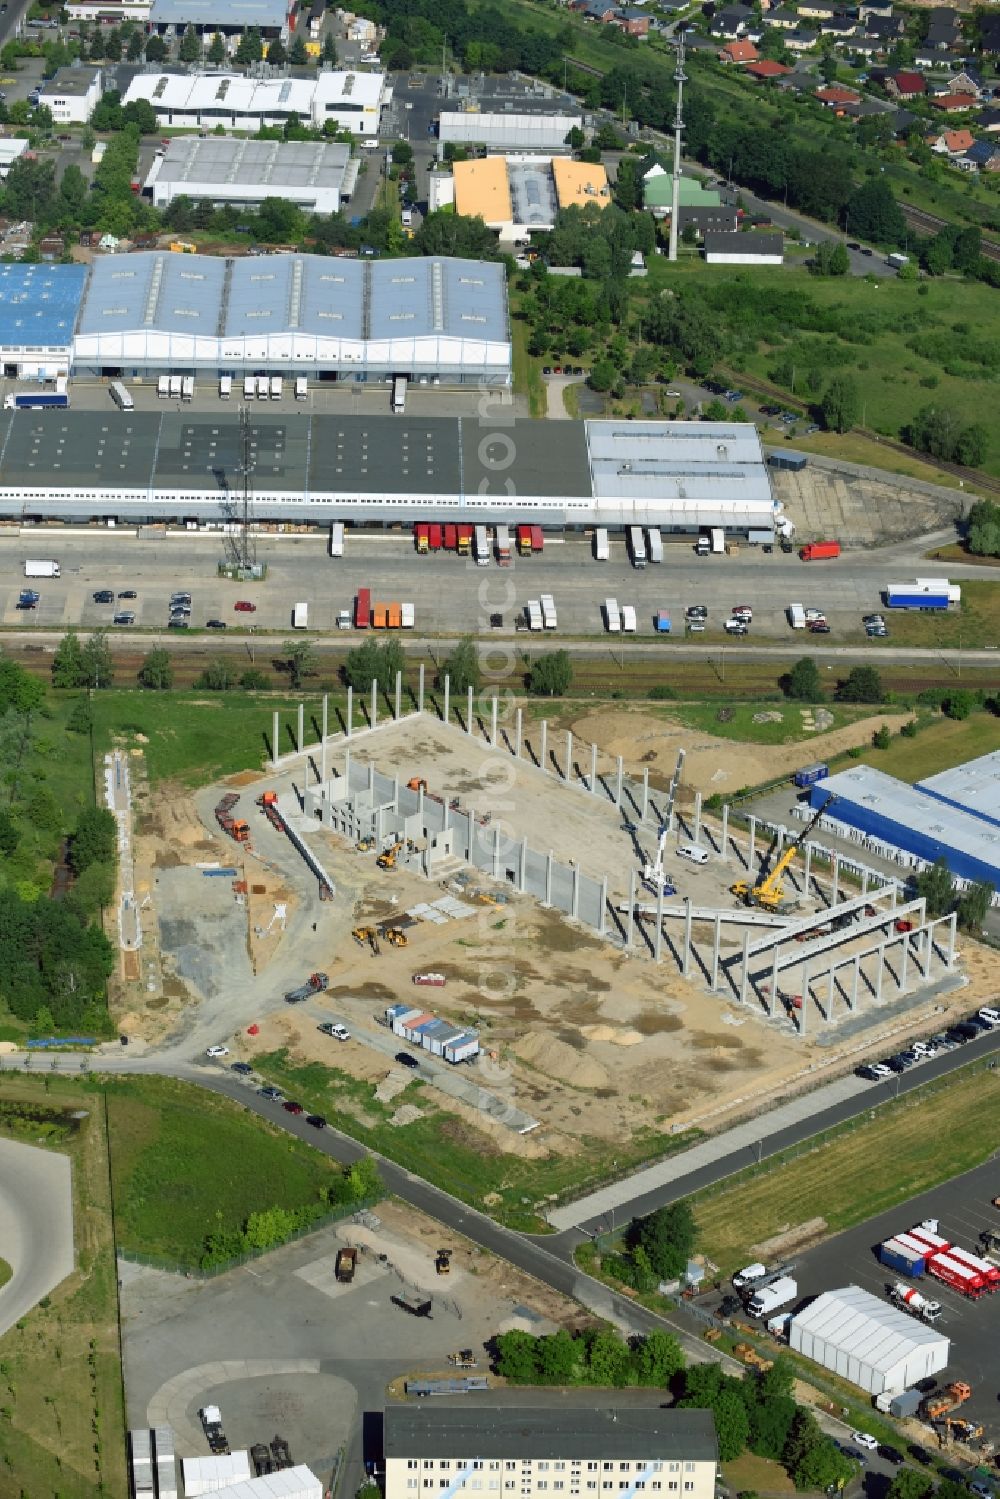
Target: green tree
(95, 840)
(300, 660)
(371, 662)
(73, 189)
(134, 49)
(861, 685)
(667, 1236)
(67, 663)
(156, 671)
(909, 1483)
(277, 53)
(803, 683)
(217, 676)
(973, 905)
(551, 675)
(462, 666)
(831, 259)
(958, 705)
(402, 153)
(936, 430)
(298, 56)
(363, 1180)
(872, 213)
(972, 445)
(841, 404)
(557, 1358)
(881, 739)
(156, 49)
(95, 660)
(10, 833)
(936, 887)
(250, 48)
(517, 1357)
(81, 718)
(217, 50)
(602, 375)
(93, 890)
(609, 1361)
(190, 46)
(732, 1424)
(254, 680)
(657, 1358)
(329, 53)
(823, 1467)
(770, 1422)
(803, 1435)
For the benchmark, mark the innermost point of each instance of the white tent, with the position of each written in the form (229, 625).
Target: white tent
(866, 1341)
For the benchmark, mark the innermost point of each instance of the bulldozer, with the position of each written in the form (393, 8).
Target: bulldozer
(365, 845)
(442, 1262)
(942, 1401)
(395, 936)
(769, 893)
(361, 934)
(416, 784)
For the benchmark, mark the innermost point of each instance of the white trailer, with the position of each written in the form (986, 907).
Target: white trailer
(337, 539)
(718, 537)
(534, 613)
(629, 623)
(300, 617)
(175, 387)
(767, 1300)
(655, 545)
(187, 388)
(549, 619)
(163, 387)
(602, 545)
(263, 387)
(121, 397)
(277, 386)
(301, 388)
(482, 542)
(249, 387)
(407, 616)
(612, 618)
(796, 616)
(502, 535)
(225, 387)
(41, 570)
(637, 546)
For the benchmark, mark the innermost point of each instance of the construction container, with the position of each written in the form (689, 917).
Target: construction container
(809, 774)
(817, 551)
(409, 616)
(380, 617)
(395, 617)
(902, 1258)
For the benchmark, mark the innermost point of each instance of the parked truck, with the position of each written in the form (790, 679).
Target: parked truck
(796, 616)
(176, 384)
(314, 984)
(911, 1300)
(121, 397)
(337, 538)
(36, 400)
(549, 617)
(211, 1422)
(163, 387)
(347, 1260)
(602, 545)
(503, 544)
(187, 388)
(482, 547)
(637, 546)
(923, 593)
(655, 545)
(612, 618)
(819, 551)
(769, 1298)
(300, 617)
(533, 610)
(629, 622)
(42, 570)
(663, 624)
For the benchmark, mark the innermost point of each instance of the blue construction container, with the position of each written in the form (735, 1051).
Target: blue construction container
(897, 1257)
(810, 774)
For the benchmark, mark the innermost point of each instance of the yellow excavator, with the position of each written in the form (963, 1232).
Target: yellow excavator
(769, 892)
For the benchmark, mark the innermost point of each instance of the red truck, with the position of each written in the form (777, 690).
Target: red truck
(816, 551)
(434, 537)
(451, 538)
(363, 609)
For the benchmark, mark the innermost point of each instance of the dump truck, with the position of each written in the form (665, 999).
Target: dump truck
(941, 1402)
(347, 1261)
(314, 984)
(234, 827)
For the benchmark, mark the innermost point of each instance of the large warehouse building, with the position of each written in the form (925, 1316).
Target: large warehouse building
(508, 131)
(866, 1341)
(230, 172)
(519, 195)
(392, 470)
(193, 101)
(951, 816)
(142, 315)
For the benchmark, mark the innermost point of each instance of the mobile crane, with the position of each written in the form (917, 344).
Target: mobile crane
(769, 892)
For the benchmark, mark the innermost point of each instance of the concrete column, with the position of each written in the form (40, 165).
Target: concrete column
(658, 939)
(518, 725)
(378, 827)
(893, 895)
(879, 972)
(574, 904)
(395, 793)
(548, 878)
(493, 721)
(724, 837)
(630, 922)
(322, 748)
(374, 704)
(716, 943)
(522, 868)
(697, 815)
(835, 888)
(854, 984)
(807, 869)
(744, 975)
(468, 712)
(447, 815)
(775, 1006)
(399, 694)
(593, 770)
(952, 928)
(275, 746)
(371, 777)
(904, 960)
(496, 849)
(473, 831)
(751, 851)
(686, 953)
(569, 756)
(543, 744)
(804, 1012)
(420, 805)
(602, 923)
(833, 990)
(350, 711)
(618, 784)
(645, 793)
(420, 689)
(864, 880)
(447, 695)
(300, 732)
(347, 770)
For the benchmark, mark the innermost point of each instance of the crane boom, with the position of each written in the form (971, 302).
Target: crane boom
(768, 891)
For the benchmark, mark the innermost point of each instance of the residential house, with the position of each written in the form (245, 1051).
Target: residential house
(840, 27)
(633, 22)
(658, 189)
(739, 52)
(707, 219)
(782, 19)
(905, 85)
(866, 46)
(965, 81)
(834, 97)
(801, 41)
(885, 29)
(989, 35)
(941, 35)
(869, 8)
(766, 70)
(818, 10)
(72, 94)
(953, 104)
(732, 21)
(982, 156)
(744, 249)
(989, 120)
(951, 142)
(599, 10)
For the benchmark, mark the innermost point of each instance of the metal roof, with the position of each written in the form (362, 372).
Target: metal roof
(537, 132)
(269, 13)
(195, 161)
(684, 461)
(39, 303)
(299, 1482)
(70, 81)
(440, 1430)
(973, 787)
(296, 293)
(154, 291)
(533, 193)
(421, 298)
(869, 1330)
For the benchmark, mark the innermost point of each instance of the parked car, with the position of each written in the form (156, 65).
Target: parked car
(890, 1454)
(177, 623)
(316, 1120)
(818, 627)
(865, 1439)
(242, 1068)
(104, 596)
(128, 593)
(244, 606)
(215, 624)
(696, 611)
(406, 1060)
(291, 1106)
(217, 1051)
(274, 1094)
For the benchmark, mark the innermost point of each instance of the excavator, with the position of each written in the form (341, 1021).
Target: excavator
(387, 859)
(769, 892)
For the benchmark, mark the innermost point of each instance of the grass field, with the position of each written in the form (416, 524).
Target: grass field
(526, 369)
(858, 1170)
(941, 743)
(750, 1474)
(186, 1163)
(454, 1155)
(62, 1418)
(975, 624)
(705, 718)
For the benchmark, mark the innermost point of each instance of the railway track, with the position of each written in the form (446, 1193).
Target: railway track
(931, 223)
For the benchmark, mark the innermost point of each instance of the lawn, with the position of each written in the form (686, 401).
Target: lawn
(941, 743)
(185, 1163)
(705, 717)
(527, 369)
(455, 1155)
(858, 1170)
(62, 1431)
(750, 1474)
(975, 624)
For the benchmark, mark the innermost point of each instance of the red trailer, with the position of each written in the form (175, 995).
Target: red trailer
(816, 551)
(434, 537)
(363, 609)
(524, 541)
(451, 538)
(537, 539)
(420, 535)
(990, 1273)
(961, 1278)
(935, 1243)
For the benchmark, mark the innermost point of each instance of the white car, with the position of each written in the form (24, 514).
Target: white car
(991, 1016)
(864, 1439)
(881, 1070)
(336, 1030)
(217, 1051)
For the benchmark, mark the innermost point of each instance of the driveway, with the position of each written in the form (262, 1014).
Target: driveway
(36, 1226)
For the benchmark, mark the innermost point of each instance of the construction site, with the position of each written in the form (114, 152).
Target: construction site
(524, 918)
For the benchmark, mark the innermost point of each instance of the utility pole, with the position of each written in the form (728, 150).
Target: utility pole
(680, 78)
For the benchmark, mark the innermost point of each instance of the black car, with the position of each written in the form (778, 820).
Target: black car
(956, 1034)
(316, 1120)
(215, 624)
(128, 593)
(243, 1068)
(967, 1030)
(125, 618)
(890, 1455)
(919, 1454)
(104, 596)
(818, 627)
(980, 1025)
(405, 1060)
(898, 1063)
(729, 1306)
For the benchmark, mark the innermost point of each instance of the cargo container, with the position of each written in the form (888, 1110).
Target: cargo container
(465, 536)
(718, 539)
(637, 546)
(537, 539)
(767, 1300)
(163, 387)
(906, 1403)
(42, 570)
(503, 544)
(952, 1272)
(927, 1233)
(533, 613)
(549, 619)
(301, 388)
(31, 400)
(611, 616)
(816, 551)
(277, 387)
(337, 539)
(923, 593)
(121, 397)
(421, 535)
(300, 617)
(482, 547)
(524, 541)
(435, 537)
(810, 774)
(901, 1258)
(380, 617)
(655, 546)
(602, 545)
(451, 538)
(225, 387)
(395, 617)
(662, 622)
(796, 616)
(408, 616)
(176, 386)
(629, 622)
(187, 388)
(249, 387)
(989, 1272)
(362, 609)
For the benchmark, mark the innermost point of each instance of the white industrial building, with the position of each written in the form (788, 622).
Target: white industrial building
(598, 1453)
(11, 147)
(225, 170)
(173, 17)
(508, 132)
(723, 247)
(191, 101)
(72, 94)
(112, 12)
(868, 1342)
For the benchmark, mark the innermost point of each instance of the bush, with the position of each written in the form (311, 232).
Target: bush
(881, 738)
(661, 694)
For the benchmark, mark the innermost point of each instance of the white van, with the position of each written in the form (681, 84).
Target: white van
(693, 852)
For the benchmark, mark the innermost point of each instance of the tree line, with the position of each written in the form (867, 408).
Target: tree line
(269, 1227)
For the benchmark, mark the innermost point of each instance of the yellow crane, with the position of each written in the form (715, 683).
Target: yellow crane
(769, 892)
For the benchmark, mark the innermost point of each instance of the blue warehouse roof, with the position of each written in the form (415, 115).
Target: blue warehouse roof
(157, 292)
(181, 13)
(419, 297)
(39, 304)
(296, 293)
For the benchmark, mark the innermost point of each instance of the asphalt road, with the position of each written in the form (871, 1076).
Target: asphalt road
(36, 1225)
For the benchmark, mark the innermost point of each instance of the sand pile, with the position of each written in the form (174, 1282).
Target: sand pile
(559, 1060)
(615, 1034)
